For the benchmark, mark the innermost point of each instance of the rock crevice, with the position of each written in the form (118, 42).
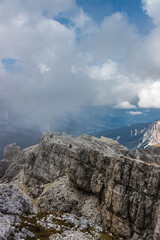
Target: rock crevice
(95, 178)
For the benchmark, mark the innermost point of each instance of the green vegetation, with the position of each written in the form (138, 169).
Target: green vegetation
(32, 223)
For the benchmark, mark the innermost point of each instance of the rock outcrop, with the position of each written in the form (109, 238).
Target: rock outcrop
(151, 136)
(3, 167)
(128, 190)
(97, 179)
(13, 203)
(9, 152)
(150, 154)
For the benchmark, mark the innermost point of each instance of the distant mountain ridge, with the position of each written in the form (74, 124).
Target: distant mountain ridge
(97, 121)
(9, 133)
(151, 136)
(139, 135)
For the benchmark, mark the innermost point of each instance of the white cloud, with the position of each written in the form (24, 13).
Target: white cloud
(107, 41)
(105, 64)
(49, 7)
(124, 105)
(135, 113)
(43, 68)
(152, 8)
(149, 96)
(104, 72)
(43, 45)
(34, 9)
(80, 19)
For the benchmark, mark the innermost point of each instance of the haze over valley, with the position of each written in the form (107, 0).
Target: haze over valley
(80, 119)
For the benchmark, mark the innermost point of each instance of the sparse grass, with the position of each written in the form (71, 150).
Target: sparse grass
(31, 223)
(39, 231)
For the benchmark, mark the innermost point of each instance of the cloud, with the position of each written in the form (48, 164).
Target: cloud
(107, 41)
(104, 72)
(43, 68)
(80, 19)
(49, 8)
(152, 8)
(46, 50)
(124, 105)
(135, 113)
(59, 67)
(149, 96)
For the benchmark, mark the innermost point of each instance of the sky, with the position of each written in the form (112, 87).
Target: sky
(57, 55)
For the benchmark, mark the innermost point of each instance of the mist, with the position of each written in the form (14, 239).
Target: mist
(49, 70)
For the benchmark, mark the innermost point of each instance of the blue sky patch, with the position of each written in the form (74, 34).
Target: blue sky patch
(99, 9)
(12, 65)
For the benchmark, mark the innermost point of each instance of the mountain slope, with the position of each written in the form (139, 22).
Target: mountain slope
(96, 179)
(151, 136)
(129, 136)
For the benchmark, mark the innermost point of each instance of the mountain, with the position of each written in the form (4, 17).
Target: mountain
(95, 120)
(89, 120)
(10, 133)
(78, 188)
(151, 135)
(139, 135)
(129, 136)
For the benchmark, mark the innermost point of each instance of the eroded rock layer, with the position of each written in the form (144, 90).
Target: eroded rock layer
(97, 179)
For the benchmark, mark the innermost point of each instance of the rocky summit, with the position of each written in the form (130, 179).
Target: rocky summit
(79, 188)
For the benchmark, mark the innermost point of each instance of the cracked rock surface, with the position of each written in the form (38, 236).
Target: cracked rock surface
(13, 203)
(96, 179)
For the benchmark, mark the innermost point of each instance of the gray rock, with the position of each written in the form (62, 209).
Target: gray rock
(13, 203)
(10, 151)
(151, 136)
(15, 169)
(5, 228)
(72, 235)
(62, 196)
(28, 233)
(12, 200)
(3, 167)
(157, 223)
(97, 178)
(150, 154)
(128, 189)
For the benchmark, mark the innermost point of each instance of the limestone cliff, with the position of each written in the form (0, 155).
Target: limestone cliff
(97, 179)
(151, 136)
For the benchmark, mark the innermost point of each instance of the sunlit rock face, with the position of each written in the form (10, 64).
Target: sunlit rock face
(151, 136)
(97, 179)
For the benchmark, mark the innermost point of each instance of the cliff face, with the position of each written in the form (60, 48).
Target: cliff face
(150, 154)
(151, 136)
(128, 190)
(95, 178)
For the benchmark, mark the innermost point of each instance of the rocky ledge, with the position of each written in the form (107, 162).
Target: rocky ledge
(78, 188)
